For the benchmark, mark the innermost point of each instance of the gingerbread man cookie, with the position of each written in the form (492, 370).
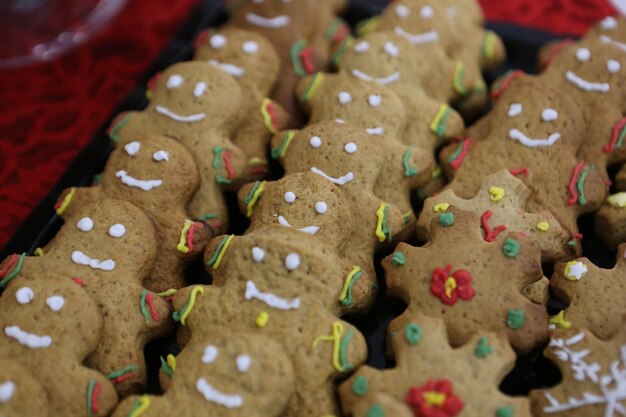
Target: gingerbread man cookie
(21, 394)
(610, 220)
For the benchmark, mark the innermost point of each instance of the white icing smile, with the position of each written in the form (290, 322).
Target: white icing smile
(186, 119)
(268, 22)
(586, 85)
(309, 229)
(231, 69)
(213, 395)
(30, 340)
(81, 259)
(533, 143)
(375, 131)
(270, 299)
(343, 180)
(419, 38)
(390, 79)
(145, 185)
(606, 39)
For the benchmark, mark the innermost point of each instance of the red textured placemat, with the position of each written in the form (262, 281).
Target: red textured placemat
(51, 111)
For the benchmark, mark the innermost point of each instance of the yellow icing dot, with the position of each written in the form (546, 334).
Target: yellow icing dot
(434, 398)
(441, 207)
(436, 173)
(617, 200)
(450, 285)
(497, 193)
(262, 319)
(543, 226)
(559, 321)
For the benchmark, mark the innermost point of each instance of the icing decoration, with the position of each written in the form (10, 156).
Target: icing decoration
(55, 303)
(375, 131)
(519, 136)
(39, 252)
(220, 154)
(258, 254)
(483, 349)
(583, 54)
(549, 115)
(449, 287)
(253, 196)
(543, 226)
(267, 22)
(177, 117)
(559, 322)
(497, 193)
(617, 137)
(311, 89)
(374, 100)
(337, 31)
(174, 81)
(61, 206)
(458, 156)
(459, 70)
(280, 151)
(343, 180)
(166, 367)
(344, 97)
(556, 50)
(199, 89)
(398, 259)
(80, 258)
(117, 377)
(511, 248)
(30, 340)
(24, 295)
(210, 354)
(243, 363)
(262, 319)
(376, 410)
(184, 313)
(218, 41)
(438, 125)
(361, 47)
(257, 166)
(6, 273)
(413, 333)
(168, 293)
(350, 147)
(488, 45)
(321, 207)
(340, 346)
(505, 82)
(508, 411)
(268, 112)
(145, 185)
(409, 171)
(434, 399)
(575, 270)
(146, 297)
(576, 184)
(441, 207)
(402, 11)
(391, 49)
(140, 406)
(366, 26)
(161, 155)
(120, 121)
(446, 219)
(93, 392)
(617, 200)
(151, 84)
(336, 58)
(213, 395)
(515, 319)
(132, 148)
(302, 59)
(292, 261)
(390, 79)
(490, 234)
(117, 230)
(345, 297)
(417, 39)
(79, 282)
(185, 242)
(382, 229)
(315, 141)
(208, 216)
(359, 385)
(289, 197)
(250, 47)
(427, 12)
(6, 391)
(609, 23)
(519, 171)
(515, 109)
(231, 69)
(270, 299)
(586, 85)
(613, 66)
(216, 259)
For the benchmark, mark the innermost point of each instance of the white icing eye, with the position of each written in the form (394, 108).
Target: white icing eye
(340, 121)
(613, 66)
(392, 49)
(321, 207)
(374, 100)
(218, 41)
(258, 254)
(549, 115)
(292, 261)
(361, 47)
(132, 148)
(210, 354)
(56, 303)
(7, 389)
(117, 230)
(515, 109)
(24, 295)
(350, 147)
(289, 197)
(427, 12)
(174, 81)
(85, 224)
(199, 89)
(583, 54)
(344, 97)
(608, 23)
(250, 47)
(315, 141)
(161, 155)
(402, 11)
(243, 363)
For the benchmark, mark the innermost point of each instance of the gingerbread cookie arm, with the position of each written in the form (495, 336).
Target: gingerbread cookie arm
(72, 199)
(610, 220)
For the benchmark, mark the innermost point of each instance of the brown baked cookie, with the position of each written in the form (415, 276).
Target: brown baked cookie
(200, 106)
(285, 285)
(610, 220)
(458, 273)
(431, 378)
(21, 394)
(593, 375)
(254, 63)
(158, 175)
(109, 249)
(49, 326)
(235, 374)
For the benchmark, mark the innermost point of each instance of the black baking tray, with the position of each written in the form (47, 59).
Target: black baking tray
(531, 371)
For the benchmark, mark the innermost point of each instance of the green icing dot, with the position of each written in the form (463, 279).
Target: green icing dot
(446, 219)
(398, 259)
(482, 348)
(360, 385)
(376, 411)
(511, 248)
(505, 411)
(413, 333)
(515, 319)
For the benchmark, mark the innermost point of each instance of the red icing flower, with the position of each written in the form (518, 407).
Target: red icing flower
(434, 399)
(451, 287)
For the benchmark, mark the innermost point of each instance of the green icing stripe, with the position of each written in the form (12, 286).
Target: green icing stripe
(142, 306)
(580, 185)
(413, 333)
(409, 171)
(398, 259)
(166, 368)
(385, 227)
(482, 348)
(90, 388)
(115, 130)
(456, 153)
(16, 270)
(294, 52)
(208, 216)
(213, 259)
(117, 374)
(255, 187)
(343, 352)
(348, 300)
(505, 411)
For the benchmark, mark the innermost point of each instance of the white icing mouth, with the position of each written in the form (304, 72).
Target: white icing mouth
(213, 395)
(309, 229)
(533, 143)
(81, 259)
(267, 22)
(145, 185)
(419, 38)
(270, 299)
(231, 69)
(30, 340)
(6, 391)
(376, 131)
(343, 180)
(187, 119)
(586, 85)
(390, 79)
(606, 39)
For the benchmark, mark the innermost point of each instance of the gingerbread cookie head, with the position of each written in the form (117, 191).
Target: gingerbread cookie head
(610, 30)
(21, 395)
(246, 55)
(303, 201)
